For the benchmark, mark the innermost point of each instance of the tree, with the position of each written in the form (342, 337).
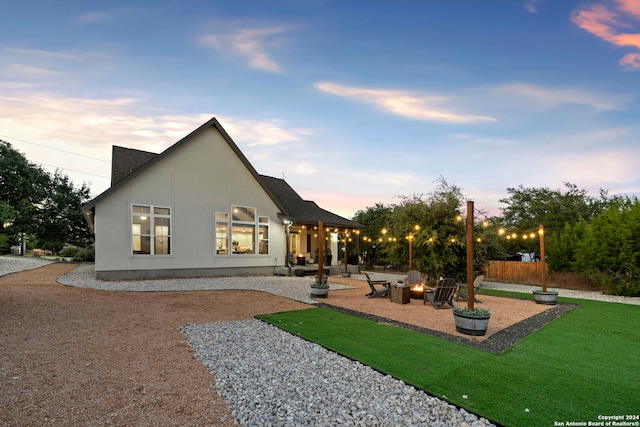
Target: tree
(22, 188)
(35, 203)
(438, 243)
(375, 219)
(609, 251)
(60, 219)
(527, 208)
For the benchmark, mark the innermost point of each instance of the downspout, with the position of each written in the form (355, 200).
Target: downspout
(288, 223)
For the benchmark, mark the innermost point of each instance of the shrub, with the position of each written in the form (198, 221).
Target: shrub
(69, 251)
(4, 244)
(85, 255)
(616, 283)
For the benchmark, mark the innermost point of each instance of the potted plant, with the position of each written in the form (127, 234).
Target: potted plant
(471, 322)
(328, 257)
(320, 290)
(544, 296)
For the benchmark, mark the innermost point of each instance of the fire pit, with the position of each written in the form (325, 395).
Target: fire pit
(417, 291)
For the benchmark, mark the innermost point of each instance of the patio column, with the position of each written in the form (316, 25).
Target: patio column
(321, 244)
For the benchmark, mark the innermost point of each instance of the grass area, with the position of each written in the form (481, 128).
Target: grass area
(583, 364)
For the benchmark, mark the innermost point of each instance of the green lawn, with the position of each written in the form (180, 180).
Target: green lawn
(583, 364)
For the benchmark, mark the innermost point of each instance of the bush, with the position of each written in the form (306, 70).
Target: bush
(69, 251)
(616, 283)
(4, 244)
(85, 255)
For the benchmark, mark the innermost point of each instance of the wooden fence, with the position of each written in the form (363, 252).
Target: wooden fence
(529, 273)
(515, 272)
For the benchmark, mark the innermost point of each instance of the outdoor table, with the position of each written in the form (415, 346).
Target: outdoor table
(400, 294)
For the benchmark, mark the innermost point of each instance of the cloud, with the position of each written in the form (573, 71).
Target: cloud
(41, 54)
(30, 73)
(630, 6)
(548, 98)
(263, 132)
(630, 61)
(611, 166)
(532, 6)
(609, 25)
(403, 103)
(251, 44)
(104, 15)
(90, 126)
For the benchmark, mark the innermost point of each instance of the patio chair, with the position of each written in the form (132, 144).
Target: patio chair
(384, 292)
(414, 277)
(442, 294)
(462, 289)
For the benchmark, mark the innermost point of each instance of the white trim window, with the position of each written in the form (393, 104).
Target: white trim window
(222, 233)
(263, 235)
(243, 230)
(150, 230)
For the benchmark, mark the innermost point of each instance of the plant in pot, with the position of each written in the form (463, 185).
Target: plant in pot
(471, 321)
(544, 296)
(320, 290)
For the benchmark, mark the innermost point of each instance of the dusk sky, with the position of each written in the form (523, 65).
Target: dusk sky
(353, 102)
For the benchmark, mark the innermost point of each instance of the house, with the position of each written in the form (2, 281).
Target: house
(199, 208)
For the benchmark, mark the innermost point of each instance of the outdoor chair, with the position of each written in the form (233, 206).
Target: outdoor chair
(414, 277)
(442, 294)
(462, 289)
(383, 292)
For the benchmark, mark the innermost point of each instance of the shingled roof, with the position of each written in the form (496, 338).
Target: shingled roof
(129, 162)
(126, 160)
(304, 212)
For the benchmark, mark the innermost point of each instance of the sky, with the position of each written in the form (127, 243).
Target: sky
(352, 102)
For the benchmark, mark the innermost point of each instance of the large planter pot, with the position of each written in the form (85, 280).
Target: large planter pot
(548, 297)
(319, 292)
(471, 325)
(324, 279)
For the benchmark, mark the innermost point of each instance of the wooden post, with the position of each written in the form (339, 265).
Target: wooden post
(321, 244)
(543, 262)
(469, 226)
(410, 251)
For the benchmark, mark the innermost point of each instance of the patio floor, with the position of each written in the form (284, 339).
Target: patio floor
(511, 319)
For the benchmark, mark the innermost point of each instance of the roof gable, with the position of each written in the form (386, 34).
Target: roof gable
(122, 174)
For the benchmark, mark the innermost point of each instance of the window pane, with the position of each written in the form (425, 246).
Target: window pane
(222, 239)
(141, 209)
(243, 214)
(162, 245)
(264, 219)
(263, 236)
(162, 226)
(243, 239)
(162, 211)
(141, 225)
(142, 245)
(222, 216)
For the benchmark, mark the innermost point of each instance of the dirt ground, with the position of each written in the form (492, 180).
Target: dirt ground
(75, 356)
